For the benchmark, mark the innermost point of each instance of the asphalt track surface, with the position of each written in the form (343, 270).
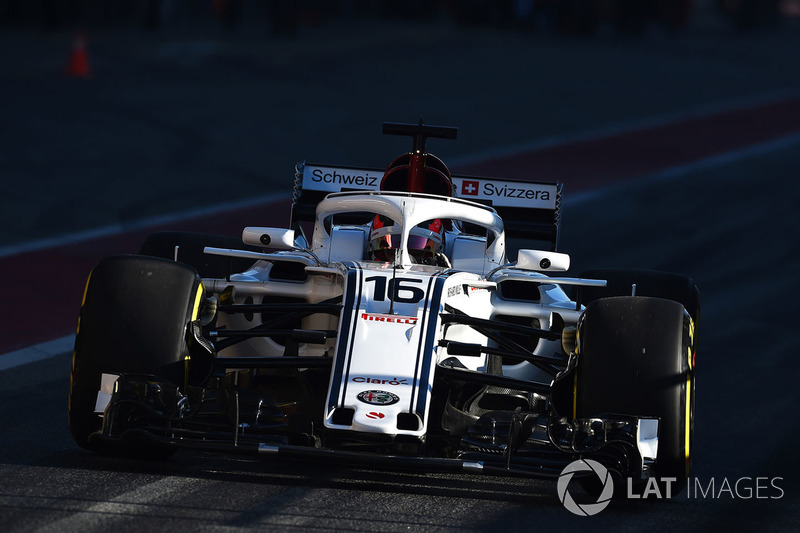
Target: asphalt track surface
(725, 214)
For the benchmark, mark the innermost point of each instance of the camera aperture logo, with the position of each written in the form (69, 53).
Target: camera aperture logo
(585, 509)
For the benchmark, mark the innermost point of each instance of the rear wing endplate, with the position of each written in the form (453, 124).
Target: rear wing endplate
(530, 210)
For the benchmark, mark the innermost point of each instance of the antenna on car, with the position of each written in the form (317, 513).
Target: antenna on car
(391, 292)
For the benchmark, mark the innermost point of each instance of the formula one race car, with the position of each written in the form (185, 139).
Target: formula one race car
(398, 334)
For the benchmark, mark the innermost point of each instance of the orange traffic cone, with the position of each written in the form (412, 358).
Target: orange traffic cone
(78, 66)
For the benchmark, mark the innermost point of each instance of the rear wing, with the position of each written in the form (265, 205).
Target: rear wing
(530, 210)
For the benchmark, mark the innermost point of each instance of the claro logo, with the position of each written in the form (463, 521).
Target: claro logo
(379, 381)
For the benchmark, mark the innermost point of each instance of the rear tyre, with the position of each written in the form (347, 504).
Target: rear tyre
(636, 358)
(133, 320)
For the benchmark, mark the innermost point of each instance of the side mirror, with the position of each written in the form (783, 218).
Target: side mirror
(542, 261)
(282, 239)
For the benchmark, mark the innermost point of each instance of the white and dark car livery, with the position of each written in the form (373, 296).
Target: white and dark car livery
(283, 345)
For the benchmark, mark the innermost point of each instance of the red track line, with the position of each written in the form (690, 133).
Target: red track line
(587, 164)
(47, 285)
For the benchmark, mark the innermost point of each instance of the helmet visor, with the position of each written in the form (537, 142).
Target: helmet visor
(383, 248)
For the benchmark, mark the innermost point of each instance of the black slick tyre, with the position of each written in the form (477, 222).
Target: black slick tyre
(133, 320)
(635, 357)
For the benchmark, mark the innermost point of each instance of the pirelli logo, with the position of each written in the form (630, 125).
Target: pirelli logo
(392, 319)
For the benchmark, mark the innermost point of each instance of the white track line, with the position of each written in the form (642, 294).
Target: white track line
(679, 171)
(38, 352)
(120, 228)
(602, 132)
(149, 499)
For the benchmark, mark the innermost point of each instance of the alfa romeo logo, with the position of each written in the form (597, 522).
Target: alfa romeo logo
(586, 509)
(378, 397)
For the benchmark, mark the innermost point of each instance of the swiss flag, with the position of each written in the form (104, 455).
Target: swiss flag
(470, 187)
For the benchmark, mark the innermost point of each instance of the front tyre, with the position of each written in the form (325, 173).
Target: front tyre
(636, 357)
(133, 320)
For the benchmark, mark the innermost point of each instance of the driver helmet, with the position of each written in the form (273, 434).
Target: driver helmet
(424, 241)
(435, 176)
